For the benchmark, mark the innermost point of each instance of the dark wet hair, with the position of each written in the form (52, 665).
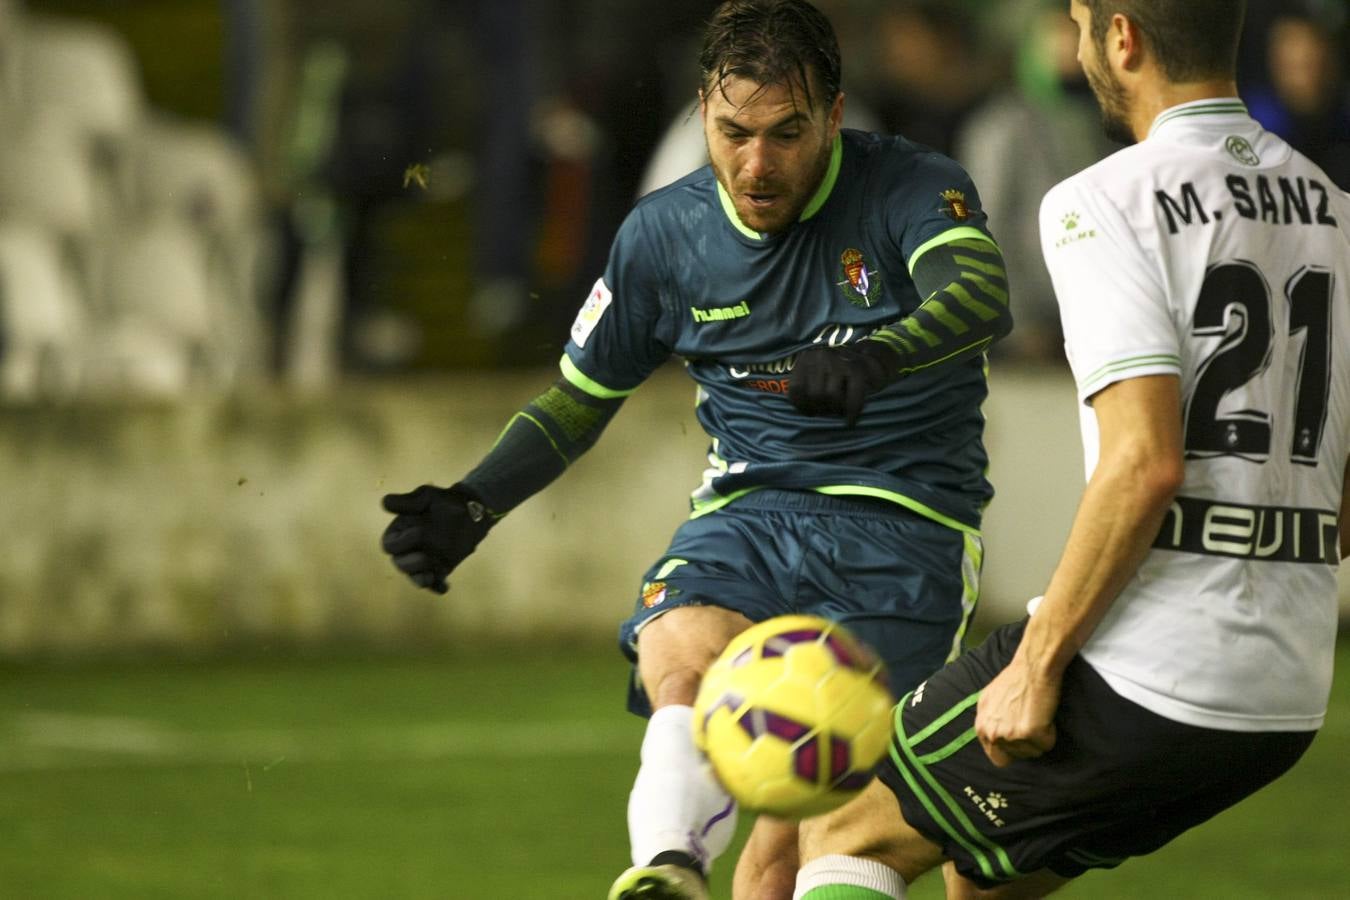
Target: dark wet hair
(771, 42)
(1191, 39)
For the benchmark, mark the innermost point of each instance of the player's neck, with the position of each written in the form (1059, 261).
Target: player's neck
(1163, 95)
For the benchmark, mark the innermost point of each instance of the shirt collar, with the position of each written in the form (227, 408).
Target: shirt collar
(1208, 109)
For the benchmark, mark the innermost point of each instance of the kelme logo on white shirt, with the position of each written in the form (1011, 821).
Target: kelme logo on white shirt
(1074, 230)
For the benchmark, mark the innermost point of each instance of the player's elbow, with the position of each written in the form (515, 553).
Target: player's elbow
(1152, 475)
(1156, 478)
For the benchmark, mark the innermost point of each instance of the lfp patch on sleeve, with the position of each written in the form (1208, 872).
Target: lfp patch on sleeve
(590, 313)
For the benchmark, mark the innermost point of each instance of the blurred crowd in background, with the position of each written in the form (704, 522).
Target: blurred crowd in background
(208, 194)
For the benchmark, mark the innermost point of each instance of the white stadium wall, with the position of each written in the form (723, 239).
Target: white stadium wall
(202, 526)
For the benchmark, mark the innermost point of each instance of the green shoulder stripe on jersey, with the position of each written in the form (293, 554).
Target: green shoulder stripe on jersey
(583, 382)
(1133, 362)
(946, 812)
(817, 200)
(963, 233)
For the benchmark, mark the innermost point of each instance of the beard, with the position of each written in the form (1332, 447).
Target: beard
(1112, 102)
(793, 196)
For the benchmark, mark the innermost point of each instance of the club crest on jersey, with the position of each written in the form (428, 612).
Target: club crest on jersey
(955, 204)
(860, 286)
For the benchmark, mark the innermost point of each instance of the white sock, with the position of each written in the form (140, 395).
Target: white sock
(852, 871)
(676, 802)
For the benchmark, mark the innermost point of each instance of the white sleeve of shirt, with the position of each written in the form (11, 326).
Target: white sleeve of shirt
(1113, 305)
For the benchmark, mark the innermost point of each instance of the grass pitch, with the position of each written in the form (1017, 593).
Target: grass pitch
(482, 775)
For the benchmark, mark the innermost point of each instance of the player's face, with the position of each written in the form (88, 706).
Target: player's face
(768, 149)
(1106, 87)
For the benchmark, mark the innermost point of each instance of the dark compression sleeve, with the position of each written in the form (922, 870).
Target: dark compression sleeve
(965, 310)
(538, 444)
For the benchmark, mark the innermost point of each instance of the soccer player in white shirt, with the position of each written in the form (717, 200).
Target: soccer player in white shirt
(1181, 656)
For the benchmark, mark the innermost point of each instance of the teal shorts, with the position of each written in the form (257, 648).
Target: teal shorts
(903, 583)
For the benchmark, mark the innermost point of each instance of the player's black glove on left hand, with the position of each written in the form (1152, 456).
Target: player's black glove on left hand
(433, 530)
(835, 381)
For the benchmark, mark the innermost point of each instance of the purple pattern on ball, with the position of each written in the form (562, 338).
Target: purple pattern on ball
(840, 758)
(806, 761)
(782, 642)
(843, 654)
(785, 728)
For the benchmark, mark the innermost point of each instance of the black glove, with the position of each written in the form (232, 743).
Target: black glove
(834, 381)
(433, 530)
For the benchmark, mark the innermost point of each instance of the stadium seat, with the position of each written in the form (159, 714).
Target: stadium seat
(157, 335)
(89, 73)
(197, 175)
(42, 318)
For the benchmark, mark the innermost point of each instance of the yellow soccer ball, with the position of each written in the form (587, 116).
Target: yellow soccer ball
(793, 716)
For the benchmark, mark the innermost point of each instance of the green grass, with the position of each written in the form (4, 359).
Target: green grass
(468, 776)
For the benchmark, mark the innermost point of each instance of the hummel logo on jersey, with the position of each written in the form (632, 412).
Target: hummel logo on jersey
(721, 313)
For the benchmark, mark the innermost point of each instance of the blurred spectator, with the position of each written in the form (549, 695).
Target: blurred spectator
(1305, 98)
(1020, 142)
(932, 68)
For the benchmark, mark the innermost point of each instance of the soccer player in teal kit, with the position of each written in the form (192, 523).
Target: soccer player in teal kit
(832, 293)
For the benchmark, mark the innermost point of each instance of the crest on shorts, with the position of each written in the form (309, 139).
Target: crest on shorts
(955, 204)
(653, 593)
(860, 285)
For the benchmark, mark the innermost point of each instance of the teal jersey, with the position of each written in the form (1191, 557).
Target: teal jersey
(686, 278)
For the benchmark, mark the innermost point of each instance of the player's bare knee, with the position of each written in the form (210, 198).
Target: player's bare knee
(675, 649)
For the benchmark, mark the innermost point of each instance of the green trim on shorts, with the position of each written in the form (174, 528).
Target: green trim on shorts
(703, 507)
(853, 490)
(963, 832)
(972, 563)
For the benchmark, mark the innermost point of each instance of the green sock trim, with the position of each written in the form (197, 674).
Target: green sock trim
(844, 892)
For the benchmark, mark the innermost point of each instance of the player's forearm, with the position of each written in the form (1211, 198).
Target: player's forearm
(538, 444)
(966, 308)
(1138, 473)
(1117, 521)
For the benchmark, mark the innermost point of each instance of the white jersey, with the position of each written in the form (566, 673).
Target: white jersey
(1215, 252)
